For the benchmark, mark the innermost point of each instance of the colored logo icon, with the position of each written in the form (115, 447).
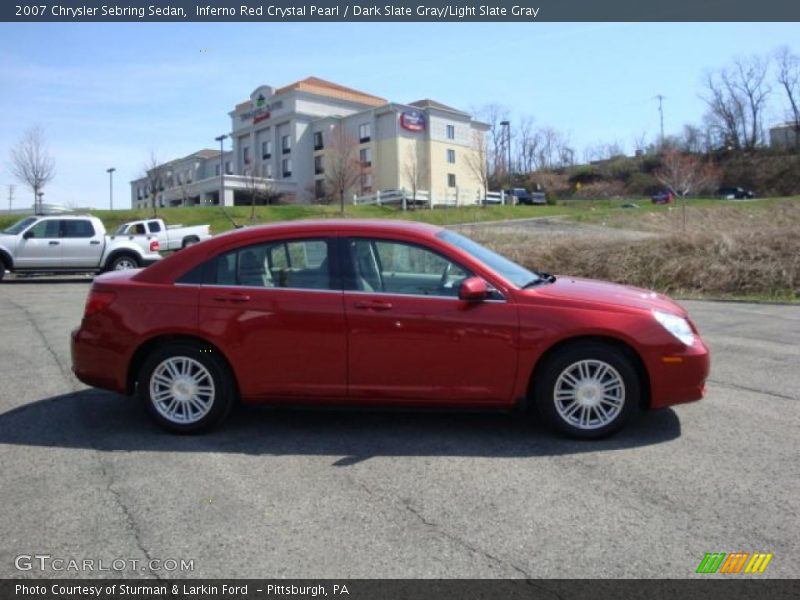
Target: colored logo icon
(737, 562)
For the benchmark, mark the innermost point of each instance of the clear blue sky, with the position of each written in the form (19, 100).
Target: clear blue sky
(109, 93)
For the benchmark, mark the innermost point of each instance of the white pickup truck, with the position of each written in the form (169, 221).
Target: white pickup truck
(171, 237)
(71, 244)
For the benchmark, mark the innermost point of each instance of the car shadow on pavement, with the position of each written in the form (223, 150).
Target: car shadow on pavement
(94, 419)
(17, 280)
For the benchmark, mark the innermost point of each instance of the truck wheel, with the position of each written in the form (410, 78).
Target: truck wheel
(587, 391)
(186, 387)
(189, 241)
(123, 262)
(2, 270)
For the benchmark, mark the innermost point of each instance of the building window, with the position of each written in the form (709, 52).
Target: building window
(216, 170)
(286, 144)
(451, 132)
(266, 149)
(268, 170)
(287, 167)
(246, 155)
(365, 156)
(451, 156)
(319, 188)
(189, 176)
(180, 178)
(319, 168)
(451, 180)
(363, 133)
(318, 145)
(228, 168)
(366, 183)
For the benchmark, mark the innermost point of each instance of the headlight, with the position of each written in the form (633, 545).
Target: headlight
(677, 326)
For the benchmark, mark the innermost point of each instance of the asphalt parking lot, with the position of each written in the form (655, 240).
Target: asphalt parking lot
(351, 494)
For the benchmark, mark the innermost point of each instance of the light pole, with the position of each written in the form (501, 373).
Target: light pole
(221, 139)
(41, 206)
(507, 125)
(110, 172)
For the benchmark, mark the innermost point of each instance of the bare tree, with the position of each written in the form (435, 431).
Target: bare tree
(736, 98)
(259, 190)
(789, 80)
(32, 164)
(478, 160)
(527, 142)
(155, 175)
(415, 171)
(494, 115)
(342, 167)
(685, 173)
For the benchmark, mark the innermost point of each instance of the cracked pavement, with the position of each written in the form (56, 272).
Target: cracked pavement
(277, 493)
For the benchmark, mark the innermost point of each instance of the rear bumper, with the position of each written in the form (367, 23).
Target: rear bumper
(679, 377)
(94, 364)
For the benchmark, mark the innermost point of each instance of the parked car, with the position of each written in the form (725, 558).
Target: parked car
(663, 197)
(71, 244)
(384, 313)
(734, 193)
(523, 196)
(170, 237)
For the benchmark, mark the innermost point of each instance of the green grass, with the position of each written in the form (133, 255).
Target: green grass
(582, 211)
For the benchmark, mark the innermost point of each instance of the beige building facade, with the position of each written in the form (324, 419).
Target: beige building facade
(299, 140)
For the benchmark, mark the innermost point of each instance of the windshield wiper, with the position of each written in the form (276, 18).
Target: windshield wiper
(541, 278)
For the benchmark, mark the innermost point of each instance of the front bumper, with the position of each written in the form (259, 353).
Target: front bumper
(678, 377)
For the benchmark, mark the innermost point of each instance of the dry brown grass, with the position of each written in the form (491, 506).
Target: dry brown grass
(724, 252)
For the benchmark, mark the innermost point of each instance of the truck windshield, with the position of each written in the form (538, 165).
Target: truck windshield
(121, 229)
(516, 274)
(17, 227)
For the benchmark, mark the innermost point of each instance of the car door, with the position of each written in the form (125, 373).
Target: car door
(81, 245)
(39, 247)
(277, 310)
(412, 340)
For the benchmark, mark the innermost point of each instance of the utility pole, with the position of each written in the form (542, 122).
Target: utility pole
(661, 115)
(110, 187)
(10, 197)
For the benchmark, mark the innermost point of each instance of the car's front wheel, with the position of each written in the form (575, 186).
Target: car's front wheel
(186, 387)
(587, 391)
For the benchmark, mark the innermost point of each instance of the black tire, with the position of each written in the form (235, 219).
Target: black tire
(600, 403)
(122, 262)
(205, 365)
(189, 241)
(2, 270)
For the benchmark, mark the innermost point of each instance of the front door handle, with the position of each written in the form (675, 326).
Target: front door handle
(54, 243)
(95, 242)
(232, 297)
(373, 305)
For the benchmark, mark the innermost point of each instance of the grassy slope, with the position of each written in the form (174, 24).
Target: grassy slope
(729, 249)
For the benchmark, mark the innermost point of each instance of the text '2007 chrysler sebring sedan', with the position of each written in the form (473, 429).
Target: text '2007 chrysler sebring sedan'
(347, 312)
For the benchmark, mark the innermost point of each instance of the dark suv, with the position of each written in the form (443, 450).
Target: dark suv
(734, 193)
(523, 196)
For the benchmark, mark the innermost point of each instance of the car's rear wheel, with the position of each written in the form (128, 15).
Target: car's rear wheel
(186, 387)
(588, 391)
(123, 262)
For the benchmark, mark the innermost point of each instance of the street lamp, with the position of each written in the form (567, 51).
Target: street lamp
(41, 206)
(221, 139)
(507, 125)
(111, 187)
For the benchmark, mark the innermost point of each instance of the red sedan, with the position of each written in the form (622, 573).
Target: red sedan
(346, 312)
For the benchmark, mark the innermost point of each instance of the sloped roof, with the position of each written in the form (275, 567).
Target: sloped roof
(428, 103)
(315, 85)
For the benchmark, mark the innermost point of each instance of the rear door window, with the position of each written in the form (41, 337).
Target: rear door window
(78, 229)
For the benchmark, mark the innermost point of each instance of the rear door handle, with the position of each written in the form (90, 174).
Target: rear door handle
(54, 243)
(373, 305)
(232, 297)
(95, 242)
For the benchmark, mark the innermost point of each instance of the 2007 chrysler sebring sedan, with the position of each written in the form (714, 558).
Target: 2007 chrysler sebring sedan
(346, 312)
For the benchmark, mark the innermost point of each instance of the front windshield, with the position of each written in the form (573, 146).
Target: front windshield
(516, 274)
(121, 229)
(17, 227)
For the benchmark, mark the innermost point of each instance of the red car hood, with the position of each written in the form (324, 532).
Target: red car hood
(603, 292)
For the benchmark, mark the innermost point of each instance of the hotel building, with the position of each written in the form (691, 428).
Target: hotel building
(286, 140)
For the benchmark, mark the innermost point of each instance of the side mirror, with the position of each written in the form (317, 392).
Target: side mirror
(473, 289)
(27, 235)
